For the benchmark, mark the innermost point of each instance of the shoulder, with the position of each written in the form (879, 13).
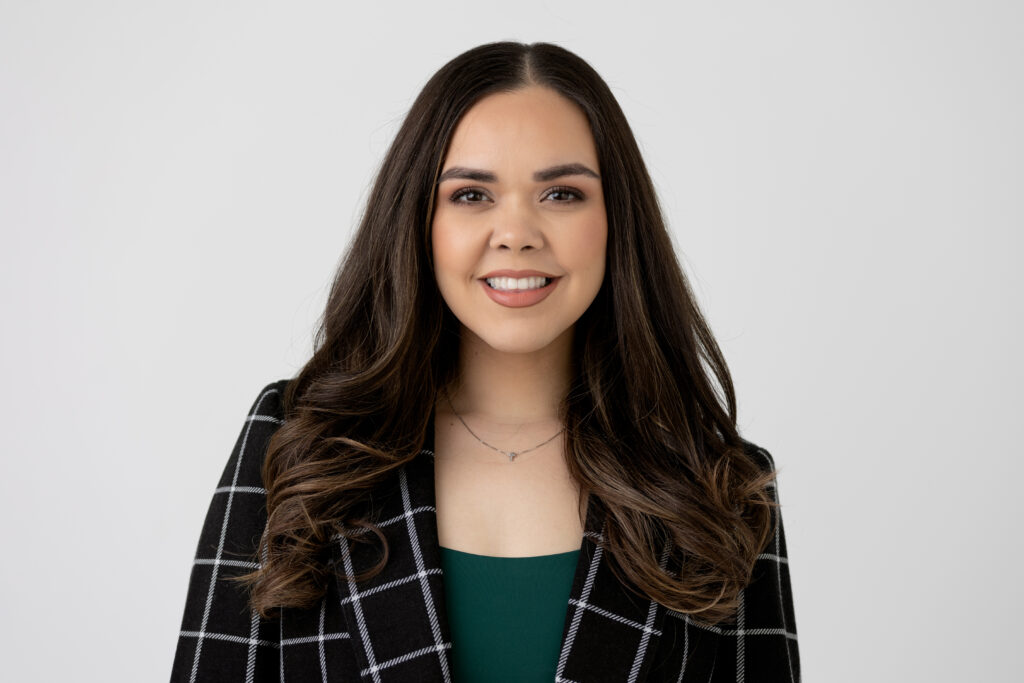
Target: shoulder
(243, 471)
(269, 402)
(764, 460)
(267, 410)
(760, 455)
(237, 510)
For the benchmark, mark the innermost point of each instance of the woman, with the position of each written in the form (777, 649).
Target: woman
(513, 455)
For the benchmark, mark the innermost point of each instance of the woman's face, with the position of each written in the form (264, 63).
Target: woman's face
(519, 230)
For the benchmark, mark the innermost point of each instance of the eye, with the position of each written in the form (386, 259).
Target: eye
(468, 195)
(564, 195)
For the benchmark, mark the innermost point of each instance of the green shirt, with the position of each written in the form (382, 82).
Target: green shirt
(506, 614)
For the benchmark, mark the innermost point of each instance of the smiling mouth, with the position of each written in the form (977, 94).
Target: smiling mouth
(513, 284)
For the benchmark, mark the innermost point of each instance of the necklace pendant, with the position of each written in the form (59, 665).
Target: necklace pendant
(511, 455)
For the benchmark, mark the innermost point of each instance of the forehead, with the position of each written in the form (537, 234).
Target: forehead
(535, 125)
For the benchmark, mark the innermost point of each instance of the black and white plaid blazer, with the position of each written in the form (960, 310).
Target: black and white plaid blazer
(393, 627)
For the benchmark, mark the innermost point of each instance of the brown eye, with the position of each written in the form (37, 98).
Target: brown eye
(468, 195)
(564, 195)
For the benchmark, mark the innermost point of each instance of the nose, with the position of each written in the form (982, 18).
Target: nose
(515, 228)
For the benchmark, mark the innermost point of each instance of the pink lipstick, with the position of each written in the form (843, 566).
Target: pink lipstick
(508, 294)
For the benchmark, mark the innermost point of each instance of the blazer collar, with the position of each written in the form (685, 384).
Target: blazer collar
(398, 622)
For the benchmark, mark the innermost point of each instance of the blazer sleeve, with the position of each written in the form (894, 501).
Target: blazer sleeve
(221, 639)
(761, 646)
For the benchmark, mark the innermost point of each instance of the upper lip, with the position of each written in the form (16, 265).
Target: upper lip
(516, 274)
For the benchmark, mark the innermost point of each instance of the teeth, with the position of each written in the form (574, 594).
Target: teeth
(513, 284)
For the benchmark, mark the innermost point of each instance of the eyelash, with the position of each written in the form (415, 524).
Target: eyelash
(577, 195)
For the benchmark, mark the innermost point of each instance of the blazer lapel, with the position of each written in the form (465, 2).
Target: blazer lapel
(611, 632)
(397, 618)
(398, 622)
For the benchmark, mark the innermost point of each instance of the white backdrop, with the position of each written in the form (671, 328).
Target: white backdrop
(844, 180)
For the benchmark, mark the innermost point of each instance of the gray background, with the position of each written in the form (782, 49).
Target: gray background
(178, 181)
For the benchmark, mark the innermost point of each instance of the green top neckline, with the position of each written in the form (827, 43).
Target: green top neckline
(498, 557)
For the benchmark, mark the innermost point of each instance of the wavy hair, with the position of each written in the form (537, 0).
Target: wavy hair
(650, 415)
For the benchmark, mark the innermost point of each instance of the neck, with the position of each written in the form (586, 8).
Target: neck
(502, 388)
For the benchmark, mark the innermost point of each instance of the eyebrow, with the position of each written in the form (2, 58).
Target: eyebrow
(543, 175)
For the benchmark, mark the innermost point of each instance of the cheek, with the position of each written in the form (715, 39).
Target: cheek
(441, 244)
(591, 246)
(453, 259)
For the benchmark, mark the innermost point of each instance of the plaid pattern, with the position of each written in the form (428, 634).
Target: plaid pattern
(393, 627)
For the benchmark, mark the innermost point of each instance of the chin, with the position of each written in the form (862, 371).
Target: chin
(524, 345)
(520, 341)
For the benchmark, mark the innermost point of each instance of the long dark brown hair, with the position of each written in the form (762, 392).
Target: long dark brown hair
(650, 416)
